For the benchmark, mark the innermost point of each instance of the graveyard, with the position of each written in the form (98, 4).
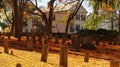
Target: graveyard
(59, 33)
(35, 53)
(32, 59)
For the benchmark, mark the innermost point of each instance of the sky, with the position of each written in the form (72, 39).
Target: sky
(85, 4)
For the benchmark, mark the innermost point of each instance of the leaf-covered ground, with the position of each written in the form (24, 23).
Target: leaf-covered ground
(32, 59)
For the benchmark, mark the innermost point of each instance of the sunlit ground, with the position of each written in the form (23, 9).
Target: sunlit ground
(32, 59)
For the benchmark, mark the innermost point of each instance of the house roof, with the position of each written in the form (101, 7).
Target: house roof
(62, 7)
(69, 6)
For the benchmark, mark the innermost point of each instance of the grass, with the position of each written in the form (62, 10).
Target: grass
(32, 59)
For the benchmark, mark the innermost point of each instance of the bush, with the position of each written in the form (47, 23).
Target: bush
(102, 31)
(88, 46)
(113, 32)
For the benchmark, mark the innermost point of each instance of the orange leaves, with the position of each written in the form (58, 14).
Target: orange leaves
(25, 14)
(107, 7)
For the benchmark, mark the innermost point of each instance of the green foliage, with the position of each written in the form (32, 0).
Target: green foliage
(99, 31)
(3, 25)
(93, 21)
(102, 31)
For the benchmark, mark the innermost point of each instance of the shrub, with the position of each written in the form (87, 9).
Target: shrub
(102, 31)
(88, 46)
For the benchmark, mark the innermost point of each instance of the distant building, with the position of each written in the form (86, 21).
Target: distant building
(36, 24)
(108, 25)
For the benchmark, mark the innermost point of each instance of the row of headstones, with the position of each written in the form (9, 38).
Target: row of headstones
(103, 43)
(63, 54)
(45, 50)
(34, 38)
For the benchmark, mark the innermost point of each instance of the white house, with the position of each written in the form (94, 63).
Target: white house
(59, 23)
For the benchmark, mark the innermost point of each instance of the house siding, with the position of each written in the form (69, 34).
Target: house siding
(58, 25)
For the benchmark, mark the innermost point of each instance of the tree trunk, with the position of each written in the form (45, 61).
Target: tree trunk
(67, 26)
(119, 21)
(112, 22)
(18, 16)
(73, 13)
(16, 19)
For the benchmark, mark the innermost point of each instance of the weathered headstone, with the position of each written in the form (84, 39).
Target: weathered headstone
(76, 42)
(30, 44)
(11, 52)
(64, 56)
(40, 39)
(19, 38)
(34, 39)
(9, 36)
(114, 63)
(6, 46)
(45, 50)
(56, 39)
(27, 38)
(18, 65)
(86, 57)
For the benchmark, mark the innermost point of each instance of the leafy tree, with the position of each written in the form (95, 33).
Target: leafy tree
(48, 17)
(17, 8)
(73, 13)
(3, 26)
(3, 21)
(93, 21)
(112, 6)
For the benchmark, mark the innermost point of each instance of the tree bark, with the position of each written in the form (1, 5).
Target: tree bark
(119, 22)
(16, 19)
(71, 16)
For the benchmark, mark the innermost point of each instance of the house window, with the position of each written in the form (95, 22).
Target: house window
(77, 27)
(82, 17)
(71, 29)
(78, 17)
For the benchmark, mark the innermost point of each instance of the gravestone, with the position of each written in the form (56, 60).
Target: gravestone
(18, 65)
(56, 39)
(40, 39)
(6, 46)
(76, 42)
(45, 50)
(64, 56)
(11, 52)
(33, 39)
(30, 44)
(115, 63)
(117, 39)
(86, 57)
(27, 38)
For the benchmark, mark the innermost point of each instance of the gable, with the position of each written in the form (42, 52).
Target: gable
(81, 10)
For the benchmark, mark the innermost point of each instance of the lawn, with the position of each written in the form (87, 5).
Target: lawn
(32, 59)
